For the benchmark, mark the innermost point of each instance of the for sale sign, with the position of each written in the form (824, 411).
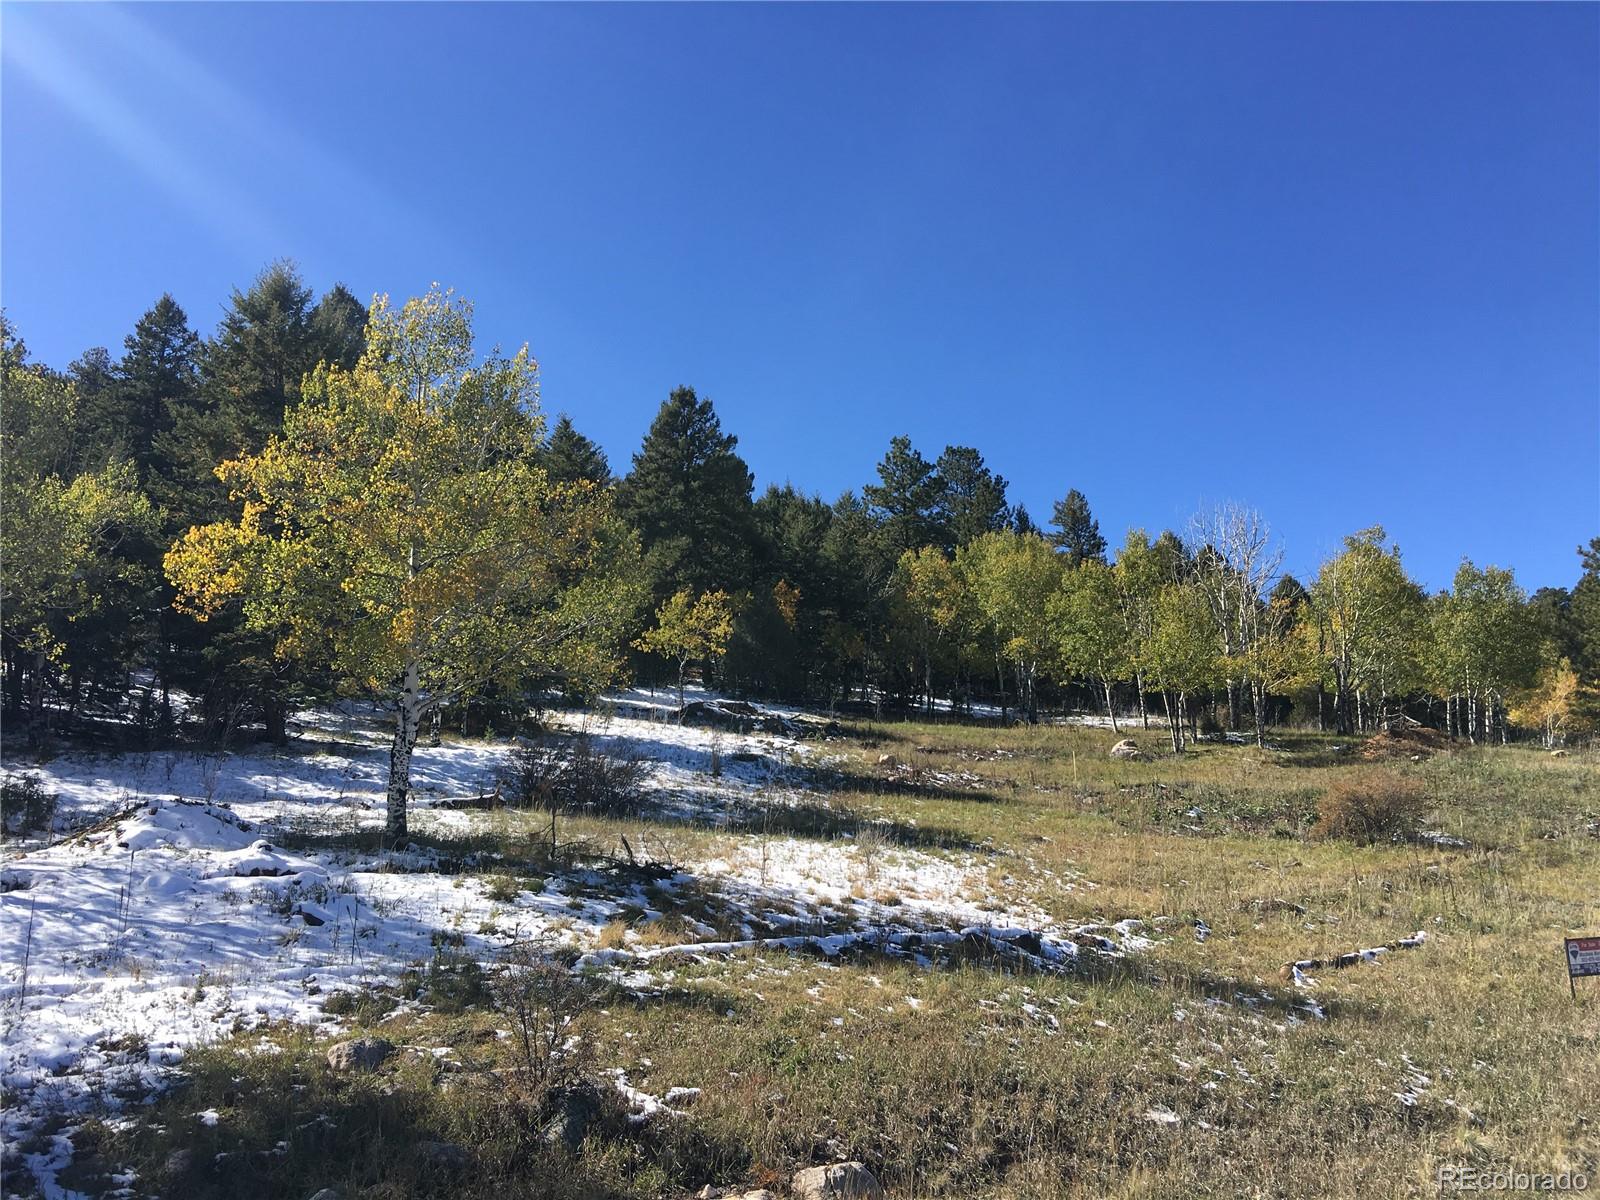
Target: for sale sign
(1583, 956)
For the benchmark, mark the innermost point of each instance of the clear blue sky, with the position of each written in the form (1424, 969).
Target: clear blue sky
(1339, 262)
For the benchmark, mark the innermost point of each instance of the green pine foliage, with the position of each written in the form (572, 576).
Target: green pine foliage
(926, 584)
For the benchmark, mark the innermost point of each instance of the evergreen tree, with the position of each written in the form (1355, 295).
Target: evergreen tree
(338, 326)
(972, 498)
(688, 496)
(906, 500)
(1021, 522)
(263, 349)
(73, 588)
(159, 372)
(569, 457)
(1585, 615)
(102, 430)
(1176, 562)
(1077, 532)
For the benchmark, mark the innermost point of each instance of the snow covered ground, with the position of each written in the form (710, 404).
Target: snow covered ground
(165, 911)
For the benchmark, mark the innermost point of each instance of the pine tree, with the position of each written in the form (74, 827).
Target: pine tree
(906, 500)
(1077, 532)
(338, 328)
(972, 498)
(263, 349)
(569, 457)
(688, 496)
(102, 432)
(1585, 612)
(159, 373)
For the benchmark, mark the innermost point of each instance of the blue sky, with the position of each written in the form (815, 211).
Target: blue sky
(1339, 262)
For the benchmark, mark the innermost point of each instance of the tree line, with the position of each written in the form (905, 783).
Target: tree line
(320, 499)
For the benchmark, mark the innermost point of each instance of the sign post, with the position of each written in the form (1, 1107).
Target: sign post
(1583, 958)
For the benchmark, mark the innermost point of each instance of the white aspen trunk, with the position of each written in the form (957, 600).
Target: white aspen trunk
(1144, 711)
(1172, 725)
(1110, 710)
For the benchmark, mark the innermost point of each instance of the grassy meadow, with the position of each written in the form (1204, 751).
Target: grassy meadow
(1186, 1068)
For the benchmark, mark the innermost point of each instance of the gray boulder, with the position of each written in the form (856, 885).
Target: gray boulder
(359, 1054)
(1127, 748)
(846, 1179)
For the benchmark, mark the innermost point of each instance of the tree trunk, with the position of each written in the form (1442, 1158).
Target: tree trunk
(275, 717)
(1110, 708)
(408, 720)
(1173, 726)
(1144, 711)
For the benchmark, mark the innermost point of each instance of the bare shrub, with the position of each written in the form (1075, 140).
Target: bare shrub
(872, 840)
(542, 999)
(1376, 806)
(575, 776)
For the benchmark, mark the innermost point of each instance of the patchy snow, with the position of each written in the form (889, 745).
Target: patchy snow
(194, 895)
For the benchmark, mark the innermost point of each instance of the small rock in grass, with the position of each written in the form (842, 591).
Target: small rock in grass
(846, 1179)
(359, 1054)
(326, 1194)
(179, 1162)
(1127, 748)
(446, 1156)
(577, 1110)
(888, 760)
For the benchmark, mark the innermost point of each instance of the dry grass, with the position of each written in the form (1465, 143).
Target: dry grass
(971, 1082)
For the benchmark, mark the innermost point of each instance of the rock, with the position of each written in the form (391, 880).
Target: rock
(846, 1179)
(1127, 748)
(578, 1107)
(1558, 754)
(445, 1156)
(326, 1194)
(747, 756)
(888, 760)
(179, 1162)
(708, 1193)
(359, 1054)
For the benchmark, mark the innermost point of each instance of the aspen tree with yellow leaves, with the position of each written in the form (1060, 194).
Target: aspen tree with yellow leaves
(400, 531)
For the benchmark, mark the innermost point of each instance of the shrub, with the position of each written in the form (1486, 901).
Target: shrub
(575, 776)
(543, 999)
(1377, 806)
(25, 805)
